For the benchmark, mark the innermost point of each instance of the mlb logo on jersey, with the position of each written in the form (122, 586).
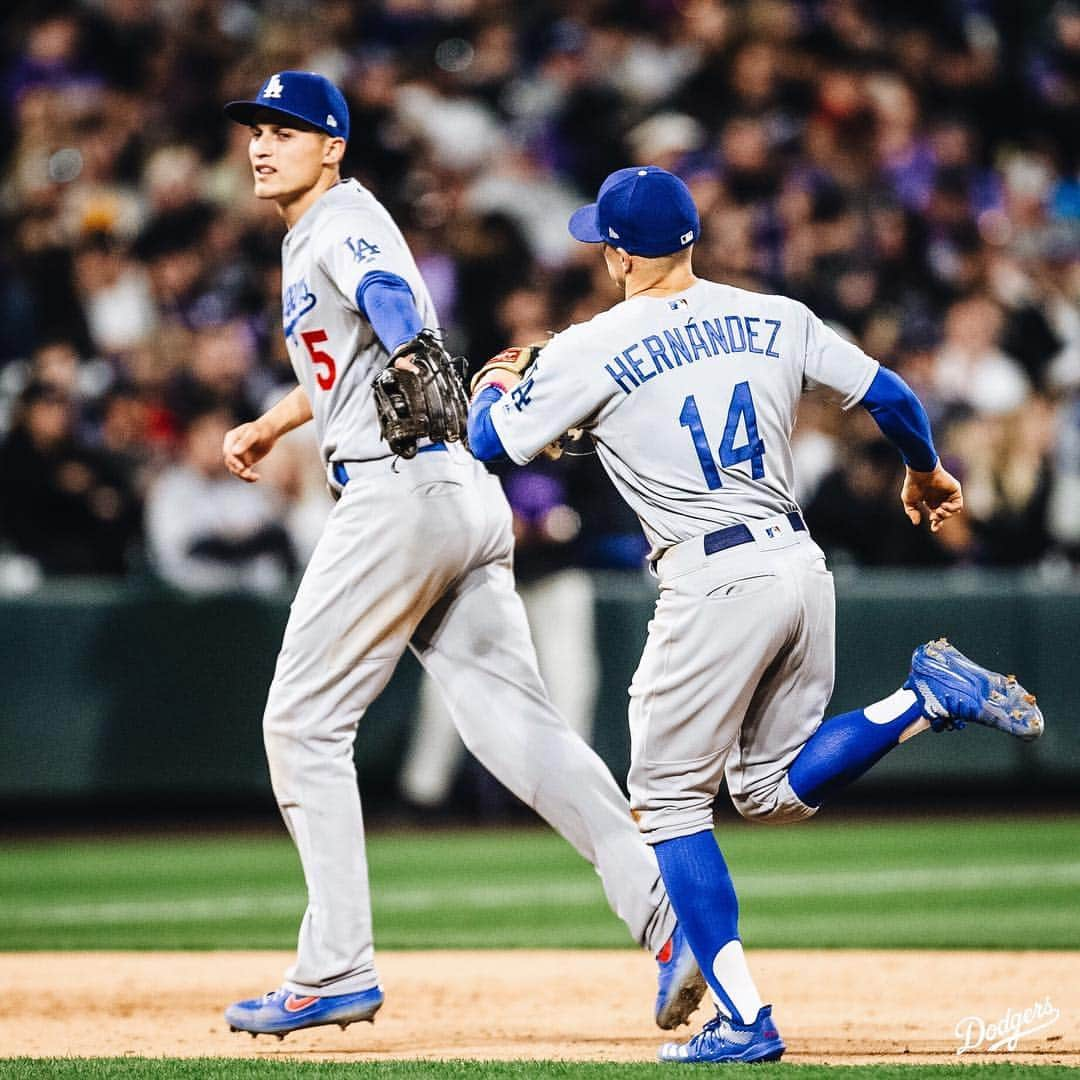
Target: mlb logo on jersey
(676, 304)
(274, 87)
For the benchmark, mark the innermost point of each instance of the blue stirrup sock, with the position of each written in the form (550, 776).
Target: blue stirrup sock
(704, 900)
(845, 746)
(697, 877)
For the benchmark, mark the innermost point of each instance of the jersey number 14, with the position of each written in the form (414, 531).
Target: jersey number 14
(753, 450)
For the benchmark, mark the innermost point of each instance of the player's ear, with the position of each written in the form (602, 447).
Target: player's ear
(333, 151)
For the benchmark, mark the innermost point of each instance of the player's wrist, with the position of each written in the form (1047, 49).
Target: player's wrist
(937, 468)
(503, 381)
(267, 429)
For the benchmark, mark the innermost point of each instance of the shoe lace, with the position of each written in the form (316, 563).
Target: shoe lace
(948, 723)
(714, 1029)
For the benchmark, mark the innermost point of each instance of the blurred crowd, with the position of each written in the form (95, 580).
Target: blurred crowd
(910, 171)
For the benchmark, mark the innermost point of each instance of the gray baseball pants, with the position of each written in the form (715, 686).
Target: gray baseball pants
(419, 553)
(735, 677)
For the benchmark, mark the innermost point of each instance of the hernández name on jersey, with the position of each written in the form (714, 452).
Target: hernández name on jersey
(690, 400)
(727, 334)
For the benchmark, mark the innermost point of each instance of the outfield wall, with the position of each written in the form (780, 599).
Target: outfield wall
(122, 692)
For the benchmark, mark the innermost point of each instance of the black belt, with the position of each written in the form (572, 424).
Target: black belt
(734, 535)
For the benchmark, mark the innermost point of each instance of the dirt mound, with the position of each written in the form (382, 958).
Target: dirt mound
(836, 1007)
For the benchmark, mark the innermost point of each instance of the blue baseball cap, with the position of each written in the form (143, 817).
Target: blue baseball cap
(298, 95)
(645, 210)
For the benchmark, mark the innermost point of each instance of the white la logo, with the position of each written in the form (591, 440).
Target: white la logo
(330, 121)
(274, 88)
(612, 233)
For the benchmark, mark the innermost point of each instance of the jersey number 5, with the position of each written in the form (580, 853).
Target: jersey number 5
(325, 378)
(753, 450)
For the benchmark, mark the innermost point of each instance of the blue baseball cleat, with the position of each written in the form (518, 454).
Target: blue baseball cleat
(722, 1039)
(955, 689)
(281, 1011)
(681, 986)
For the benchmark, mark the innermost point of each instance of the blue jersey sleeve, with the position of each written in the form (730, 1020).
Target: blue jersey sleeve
(484, 440)
(902, 419)
(387, 302)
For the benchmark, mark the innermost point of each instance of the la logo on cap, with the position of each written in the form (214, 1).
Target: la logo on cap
(274, 87)
(612, 233)
(330, 120)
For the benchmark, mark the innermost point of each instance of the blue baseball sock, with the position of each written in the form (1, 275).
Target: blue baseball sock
(845, 746)
(704, 900)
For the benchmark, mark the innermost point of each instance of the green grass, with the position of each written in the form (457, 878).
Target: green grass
(989, 883)
(243, 1069)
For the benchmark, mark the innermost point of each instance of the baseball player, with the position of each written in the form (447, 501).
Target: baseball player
(689, 390)
(416, 553)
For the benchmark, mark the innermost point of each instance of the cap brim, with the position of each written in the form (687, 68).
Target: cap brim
(244, 112)
(583, 225)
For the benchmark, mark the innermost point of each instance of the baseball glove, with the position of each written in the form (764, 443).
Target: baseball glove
(425, 400)
(516, 359)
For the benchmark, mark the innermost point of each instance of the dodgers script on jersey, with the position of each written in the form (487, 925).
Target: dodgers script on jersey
(334, 352)
(690, 399)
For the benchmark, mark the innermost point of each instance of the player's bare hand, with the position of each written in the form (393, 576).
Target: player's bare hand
(935, 495)
(245, 445)
(405, 363)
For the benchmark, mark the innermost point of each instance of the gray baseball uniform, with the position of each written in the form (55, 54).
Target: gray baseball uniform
(416, 553)
(691, 401)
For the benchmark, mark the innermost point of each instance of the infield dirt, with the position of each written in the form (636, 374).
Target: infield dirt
(585, 1005)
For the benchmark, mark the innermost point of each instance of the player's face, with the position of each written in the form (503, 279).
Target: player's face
(286, 161)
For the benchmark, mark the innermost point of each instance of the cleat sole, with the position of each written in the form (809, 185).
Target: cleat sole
(683, 1007)
(957, 690)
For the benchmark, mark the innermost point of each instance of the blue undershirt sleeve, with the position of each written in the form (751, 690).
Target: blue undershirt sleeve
(902, 419)
(484, 440)
(387, 302)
